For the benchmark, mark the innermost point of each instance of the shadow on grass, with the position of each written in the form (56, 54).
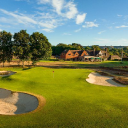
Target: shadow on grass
(6, 78)
(49, 60)
(26, 68)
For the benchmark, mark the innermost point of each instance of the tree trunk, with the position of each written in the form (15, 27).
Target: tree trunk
(9, 63)
(23, 63)
(3, 64)
(28, 63)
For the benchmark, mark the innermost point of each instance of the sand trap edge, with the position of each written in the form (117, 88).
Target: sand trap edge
(10, 73)
(41, 103)
(121, 85)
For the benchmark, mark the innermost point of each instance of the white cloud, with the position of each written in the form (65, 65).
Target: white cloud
(68, 34)
(43, 1)
(62, 8)
(1, 30)
(80, 18)
(119, 15)
(126, 17)
(61, 11)
(45, 15)
(66, 9)
(90, 25)
(78, 30)
(23, 0)
(118, 42)
(20, 18)
(101, 32)
(48, 24)
(41, 20)
(4, 20)
(58, 5)
(47, 30)
(122, 26)
(72, 10)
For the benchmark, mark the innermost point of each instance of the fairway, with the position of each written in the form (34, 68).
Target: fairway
(71, 102)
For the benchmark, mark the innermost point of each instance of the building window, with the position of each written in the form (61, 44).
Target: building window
(69, 54)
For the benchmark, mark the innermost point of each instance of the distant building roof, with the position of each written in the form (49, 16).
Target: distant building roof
(74, 51)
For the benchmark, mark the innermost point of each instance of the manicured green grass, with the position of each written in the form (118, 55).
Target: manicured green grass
(71, 102)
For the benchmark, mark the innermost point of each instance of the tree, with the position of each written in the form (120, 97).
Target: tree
(40, 47)
(77, 46)
(57, 50)
(87, 48)
(95, 47)
(5, 47)
(115, 51)
(21, 45)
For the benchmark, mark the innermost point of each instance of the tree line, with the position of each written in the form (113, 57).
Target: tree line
(24, 46)
(59, 48)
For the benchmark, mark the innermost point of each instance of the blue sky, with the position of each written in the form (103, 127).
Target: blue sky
(88, 22)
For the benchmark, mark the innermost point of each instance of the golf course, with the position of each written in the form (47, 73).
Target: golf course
(70, 101)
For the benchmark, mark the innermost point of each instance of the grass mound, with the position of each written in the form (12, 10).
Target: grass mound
(121, 79)
(104, 73)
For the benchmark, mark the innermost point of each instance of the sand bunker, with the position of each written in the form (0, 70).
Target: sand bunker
(96, 78)
(12, 103)
(6, 73)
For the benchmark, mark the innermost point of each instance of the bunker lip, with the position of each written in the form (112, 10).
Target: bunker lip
(96, 78)
(17, 103)
(6, 73)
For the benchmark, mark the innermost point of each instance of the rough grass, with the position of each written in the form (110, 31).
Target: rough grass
(104, 73)
(121, 79)
(80, 64)
(71, 102)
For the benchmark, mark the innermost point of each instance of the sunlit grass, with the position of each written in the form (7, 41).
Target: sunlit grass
(71, 102)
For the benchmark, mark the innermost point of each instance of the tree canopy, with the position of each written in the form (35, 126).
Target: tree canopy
(57, 50)
(5, 47)
(21, 45)
(95, 47)
(40, 47)
(24, 46)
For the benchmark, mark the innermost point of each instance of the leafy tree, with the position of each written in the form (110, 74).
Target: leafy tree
(40, 47)
(97, 48)
(57, 50)
(5, 47)
(87, 48)
(21, 45)
(77, 46)
(115, 51)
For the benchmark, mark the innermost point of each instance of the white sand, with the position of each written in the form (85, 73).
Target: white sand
(16, 103)
(96, 78)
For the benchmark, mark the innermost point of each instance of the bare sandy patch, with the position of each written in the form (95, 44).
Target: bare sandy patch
(96, 78)
(12, 103)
